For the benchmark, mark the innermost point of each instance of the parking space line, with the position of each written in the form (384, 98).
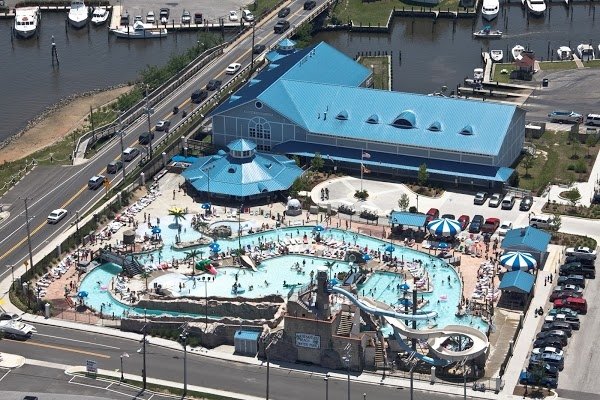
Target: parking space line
(6, 373)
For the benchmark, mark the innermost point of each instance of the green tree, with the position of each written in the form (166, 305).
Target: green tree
(317, 162)
(403, 202)
(556, 222)
(145, 274)
(191, 255)
(361, 194)
(177, 214)
(423, 175)
(296, 159)
(301, 184)
(538, 375)
(528, 162)
(330, 265)
(573, 196)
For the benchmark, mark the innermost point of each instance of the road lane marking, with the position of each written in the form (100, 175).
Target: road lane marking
(50, 346)
(78, 341)
(4, 376)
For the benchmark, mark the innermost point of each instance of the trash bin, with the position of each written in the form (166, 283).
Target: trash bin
(545, 82)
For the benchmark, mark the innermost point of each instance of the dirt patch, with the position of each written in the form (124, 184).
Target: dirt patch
(56, 125)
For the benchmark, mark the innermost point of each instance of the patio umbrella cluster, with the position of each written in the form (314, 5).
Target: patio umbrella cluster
(516, 260)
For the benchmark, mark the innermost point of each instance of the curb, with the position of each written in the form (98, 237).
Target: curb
(11, 361)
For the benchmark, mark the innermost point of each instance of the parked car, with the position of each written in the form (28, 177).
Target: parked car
(495, 200)
(163, 125)
(578, 280)
(582, 252)
(504, 227)
(551, 371)
(549, 341)
(233, 16)
(527, 378)
(150, 18)
(573, 322)
(233, 68)
(164, 15)
(578, 269)
(552, 359)
(526, 203)
(310, 4)
(575, 303)
(247, 16)
(213, 84)
(565, 311)
(6, 316)
(548, 350)
(570, 288)
(464, 221)
(508, 202)
(480, 198)
(284, 12)
(490, 225)
(281, 26)
(56, 215)
(432, 214)
(588, 262)
(138, 18)
(558, 326)
(449, 216)
(186, 18)
(198, 18)
(564, 295)
(562, 336)
(476, 223)
(259, 48)
(562, 116)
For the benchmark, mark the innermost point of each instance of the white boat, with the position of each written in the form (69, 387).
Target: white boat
(26, 21)
(564, 53)
(586, 52)
(496, 55)
(78, 14)
(490, 9)
(516, 52)
(100, 15)
(478, 74)
(536, 7)
(139, 31)
(488, 33)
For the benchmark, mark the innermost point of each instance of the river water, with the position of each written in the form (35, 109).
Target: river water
(433, 54)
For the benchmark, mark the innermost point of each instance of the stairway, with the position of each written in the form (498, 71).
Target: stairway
(345, 325)
(132, 266)
(379, 355)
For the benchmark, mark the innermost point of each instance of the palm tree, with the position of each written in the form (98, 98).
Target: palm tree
(177, 213)
(330, 265)
(145, 275)
(191, 255)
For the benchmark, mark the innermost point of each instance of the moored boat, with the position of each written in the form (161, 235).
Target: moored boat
(100, 15)
(490, 9)
(26, 21)
(496, 55)
(586, 52)
(78, 14)
(564, 53)
(516, 52)
(536, 7)
(488, 33)
(139, 31)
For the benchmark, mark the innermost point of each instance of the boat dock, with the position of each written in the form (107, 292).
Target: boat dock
(487, 71)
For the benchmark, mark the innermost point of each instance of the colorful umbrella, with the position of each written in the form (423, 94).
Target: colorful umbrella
(318, 228)
(206, 206)
(444, 227)
(404, 287)
(82, 294)
(390, 249)
(367, 257)
(155, 230)
(443, 245)
(405, 302)
(516, 260)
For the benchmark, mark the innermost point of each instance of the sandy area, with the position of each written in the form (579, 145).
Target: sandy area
(57, 125)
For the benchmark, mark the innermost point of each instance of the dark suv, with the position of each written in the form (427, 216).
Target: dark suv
(146, 137)
(310, 4)
(476, 223)
(199, 96)
(213, 84)
(281, 26)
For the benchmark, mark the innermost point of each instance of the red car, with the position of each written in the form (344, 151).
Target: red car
(464, 221)
(432, 214)
(564, 294)
(574, 303)
(490, 225)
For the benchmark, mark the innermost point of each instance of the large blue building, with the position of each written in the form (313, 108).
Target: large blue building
(318, 100)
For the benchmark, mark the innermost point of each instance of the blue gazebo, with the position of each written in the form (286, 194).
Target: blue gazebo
(242, 173)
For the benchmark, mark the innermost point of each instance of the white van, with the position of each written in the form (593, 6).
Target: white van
(541, 221)
(593, 119)
(508, 202)
(130, 153)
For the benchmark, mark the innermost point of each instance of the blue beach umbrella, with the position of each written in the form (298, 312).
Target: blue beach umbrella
(404, 287)
(206, 206)
(405, 302)
(443, 245)
(389, 248)
(516, 260)
(318, 228)
(444, 227)
(82, 294)
(367, 257)
(156, 230)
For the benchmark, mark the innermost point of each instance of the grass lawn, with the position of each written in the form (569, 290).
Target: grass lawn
(381, 70)
(557, 65)
(377, 12)
(502, 78)
(556, 161)
(592, 63)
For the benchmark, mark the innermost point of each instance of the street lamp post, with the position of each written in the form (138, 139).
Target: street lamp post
(252, 50)
(184, 338)
(148, 112)
(272, 340)
(122, 147)
(122, 373)
(144, 372)
(326, 379)
(347, 359)
(77, 240)
(28, 235)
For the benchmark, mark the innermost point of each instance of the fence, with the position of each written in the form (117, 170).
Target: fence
(68, 314)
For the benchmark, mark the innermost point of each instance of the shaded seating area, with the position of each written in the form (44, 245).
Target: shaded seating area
(409, 227)
(517, 290)
(529, 240)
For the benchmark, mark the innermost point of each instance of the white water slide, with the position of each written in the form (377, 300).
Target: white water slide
(436, 338)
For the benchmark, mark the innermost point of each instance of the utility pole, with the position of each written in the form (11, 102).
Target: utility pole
(77, 239)
(252, 49)
(28, 235)
(183, 337)
(144, 373)
(121, 139)
(148, 111)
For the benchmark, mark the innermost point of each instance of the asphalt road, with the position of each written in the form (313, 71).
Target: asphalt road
(52, 187)
(68, 347)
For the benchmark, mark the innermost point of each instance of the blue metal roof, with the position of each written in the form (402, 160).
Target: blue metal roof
(517, 281)
(378, 159)
(241, 145)
(468, 126)
(189, 160)
(226, 175)
(529, 237)
(319, 63)
(247, 335)
(408, 219)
